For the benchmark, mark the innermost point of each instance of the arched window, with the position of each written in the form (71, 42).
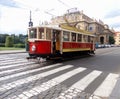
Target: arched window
(102, 40)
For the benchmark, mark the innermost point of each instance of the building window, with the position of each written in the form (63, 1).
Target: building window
(90, 28)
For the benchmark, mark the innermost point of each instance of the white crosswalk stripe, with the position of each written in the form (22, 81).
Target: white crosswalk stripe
(31, 78)
(27, 72)
(68, 74)
(54, 81)
(12, 62)
(83, 83)
(15, 65)
(103, 90)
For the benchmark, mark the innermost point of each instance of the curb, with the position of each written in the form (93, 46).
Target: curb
(12, 52)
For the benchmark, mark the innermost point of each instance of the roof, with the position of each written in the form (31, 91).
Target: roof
(66, 28)
(74, 29)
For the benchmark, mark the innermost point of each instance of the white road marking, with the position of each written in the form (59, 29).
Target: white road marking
(115, 94)
(109, 86)
(15, 65)
(105, 89)
(27, 72)
(83, 83)
(32, 78)
(69, 74)
(52, 82)
(12, 62)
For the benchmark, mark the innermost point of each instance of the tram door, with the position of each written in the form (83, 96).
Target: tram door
(56, 41)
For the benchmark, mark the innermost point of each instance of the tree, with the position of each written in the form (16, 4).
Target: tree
(9, 41)
(111, 40)
(3, 38)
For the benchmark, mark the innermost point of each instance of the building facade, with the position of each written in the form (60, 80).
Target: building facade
(81, 21)
(117, 38)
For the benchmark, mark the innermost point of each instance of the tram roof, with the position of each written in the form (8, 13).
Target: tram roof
(65, 28)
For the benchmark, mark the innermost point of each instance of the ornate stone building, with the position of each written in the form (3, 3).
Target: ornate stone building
(117, 38)
(81, 21)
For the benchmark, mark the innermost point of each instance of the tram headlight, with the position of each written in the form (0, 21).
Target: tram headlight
(33, 48)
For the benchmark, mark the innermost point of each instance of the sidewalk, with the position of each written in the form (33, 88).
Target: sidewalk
(12, 51)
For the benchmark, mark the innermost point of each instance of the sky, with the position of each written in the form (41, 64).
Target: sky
(14, 14)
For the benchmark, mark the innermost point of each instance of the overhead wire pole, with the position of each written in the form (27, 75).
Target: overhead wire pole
(30, 23)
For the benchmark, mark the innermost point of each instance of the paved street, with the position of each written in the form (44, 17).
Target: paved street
(94, 77)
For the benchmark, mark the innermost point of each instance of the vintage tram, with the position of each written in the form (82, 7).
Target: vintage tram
(51, 42)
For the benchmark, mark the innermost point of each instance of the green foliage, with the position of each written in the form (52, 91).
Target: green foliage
(26, 44)
(3, 38)
(13, 41)
(16, 38)
(2, 44)
(111, 40)
(10, 48)
(19, 45)
(9, 41)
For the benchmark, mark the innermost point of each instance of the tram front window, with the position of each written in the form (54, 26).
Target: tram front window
(48, 34)
(41, 33)
(33, 33)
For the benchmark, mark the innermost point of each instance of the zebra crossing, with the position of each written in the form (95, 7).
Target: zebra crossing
(22, 79)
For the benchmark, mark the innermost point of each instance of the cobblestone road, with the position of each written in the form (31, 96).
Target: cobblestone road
(22, 79)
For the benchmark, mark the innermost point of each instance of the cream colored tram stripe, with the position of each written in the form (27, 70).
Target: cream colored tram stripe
(105, 89)
(32, 78)
(52, 82)
(27, 72)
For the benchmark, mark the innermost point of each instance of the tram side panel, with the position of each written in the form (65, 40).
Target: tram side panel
(74, 46)
(40, 48)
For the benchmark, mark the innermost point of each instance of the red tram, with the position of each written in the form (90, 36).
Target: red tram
(52, 42)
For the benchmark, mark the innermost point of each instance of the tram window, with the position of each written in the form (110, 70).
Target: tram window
(84, 38)
(41, 31)
(79, 37)
(66, 36)
(33, 33)
(48, 34)
(89, 38)
(73, 36)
